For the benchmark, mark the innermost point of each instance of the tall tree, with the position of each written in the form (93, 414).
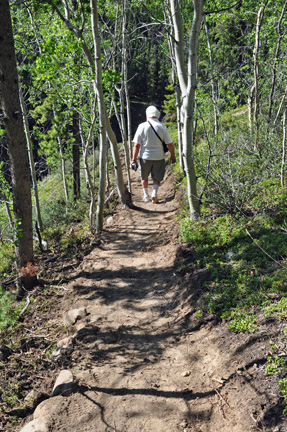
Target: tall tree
(187, 76)
(13, 121)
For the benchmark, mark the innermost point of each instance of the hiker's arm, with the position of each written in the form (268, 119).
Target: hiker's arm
(171, 150)
(136, 150)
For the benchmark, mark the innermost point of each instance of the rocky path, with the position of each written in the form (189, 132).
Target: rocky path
(142, 360)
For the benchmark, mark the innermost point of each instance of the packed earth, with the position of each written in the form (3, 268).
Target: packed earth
(130, 351)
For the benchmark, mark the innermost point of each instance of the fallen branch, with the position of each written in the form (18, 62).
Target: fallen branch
(28, 301)
(110, 195)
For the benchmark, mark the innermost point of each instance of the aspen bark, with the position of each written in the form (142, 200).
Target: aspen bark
(276, 54)
(283, 159)
(31, 159)
(188, 82)
(102, 116)
(256, 74)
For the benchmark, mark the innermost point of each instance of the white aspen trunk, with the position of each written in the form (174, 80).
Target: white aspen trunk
(250, 108)
(179, 126)
(177, 92)
(124, 133)
(188, 82)
(283, 159)
(63, 166)
(178, 46)
(276, 54)
(102, 117)
(280, 107)
(213, 84)
(256, 74)
(124, 194)
(83, 142)
(31, 159)
(188, 132)
(90, 186)
(125, 83)
(63, 163)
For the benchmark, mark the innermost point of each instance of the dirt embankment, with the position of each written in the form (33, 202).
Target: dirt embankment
(142, 361)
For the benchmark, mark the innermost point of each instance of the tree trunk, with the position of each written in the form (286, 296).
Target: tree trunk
(20, 172)
(177, 91)
(125, 82)
(83, 143)
(31, 159)
(283, 159)
(102, 116)
(76, 157)
(256, 74)
(275, 61)
(123, 128)
(124, 194)
(188, 82)
(213, 84)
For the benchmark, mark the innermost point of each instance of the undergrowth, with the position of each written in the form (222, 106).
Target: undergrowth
(241, 238)
(246, 260)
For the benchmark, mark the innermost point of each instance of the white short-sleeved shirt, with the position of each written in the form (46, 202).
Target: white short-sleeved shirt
(151, 146)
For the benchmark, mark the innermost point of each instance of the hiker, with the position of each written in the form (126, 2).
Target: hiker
(149, 146)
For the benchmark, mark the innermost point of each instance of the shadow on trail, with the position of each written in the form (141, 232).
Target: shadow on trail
(188, 395)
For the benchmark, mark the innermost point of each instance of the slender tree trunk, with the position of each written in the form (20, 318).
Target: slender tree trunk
(283, 159)
(63, 162)
(213, 83)
(178, 46)
(124, 194)
(250, 108)
(13, 121)
(83, 143)
(76, 157)
(123, 128)
(177, 92)
(90, 186)
(274, 68)
(179, 125)
(125, 84)
(63, 167)
(188, 81)
(256, 74)
(280, 107)
(31, 159)
(102, 116)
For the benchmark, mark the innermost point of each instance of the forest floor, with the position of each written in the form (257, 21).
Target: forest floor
(143, 359)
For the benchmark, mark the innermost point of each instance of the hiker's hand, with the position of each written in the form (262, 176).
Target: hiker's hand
(173, 159)
(134, 165)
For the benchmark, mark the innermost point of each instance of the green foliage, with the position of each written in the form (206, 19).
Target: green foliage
(6, 256)
(242, 322)
(277, 365)
(245, 258)
(9, 313)
(276, 309)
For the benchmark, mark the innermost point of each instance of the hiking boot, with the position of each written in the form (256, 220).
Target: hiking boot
(154, 199)
(145, 199)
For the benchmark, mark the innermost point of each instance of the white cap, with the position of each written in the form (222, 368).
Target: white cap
(152, 111)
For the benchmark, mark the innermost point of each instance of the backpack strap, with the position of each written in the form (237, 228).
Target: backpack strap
(155, 132)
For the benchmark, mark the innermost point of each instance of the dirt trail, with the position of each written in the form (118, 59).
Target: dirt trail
(142, 360)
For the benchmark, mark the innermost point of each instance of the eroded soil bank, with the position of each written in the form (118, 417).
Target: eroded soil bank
(142, 360)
